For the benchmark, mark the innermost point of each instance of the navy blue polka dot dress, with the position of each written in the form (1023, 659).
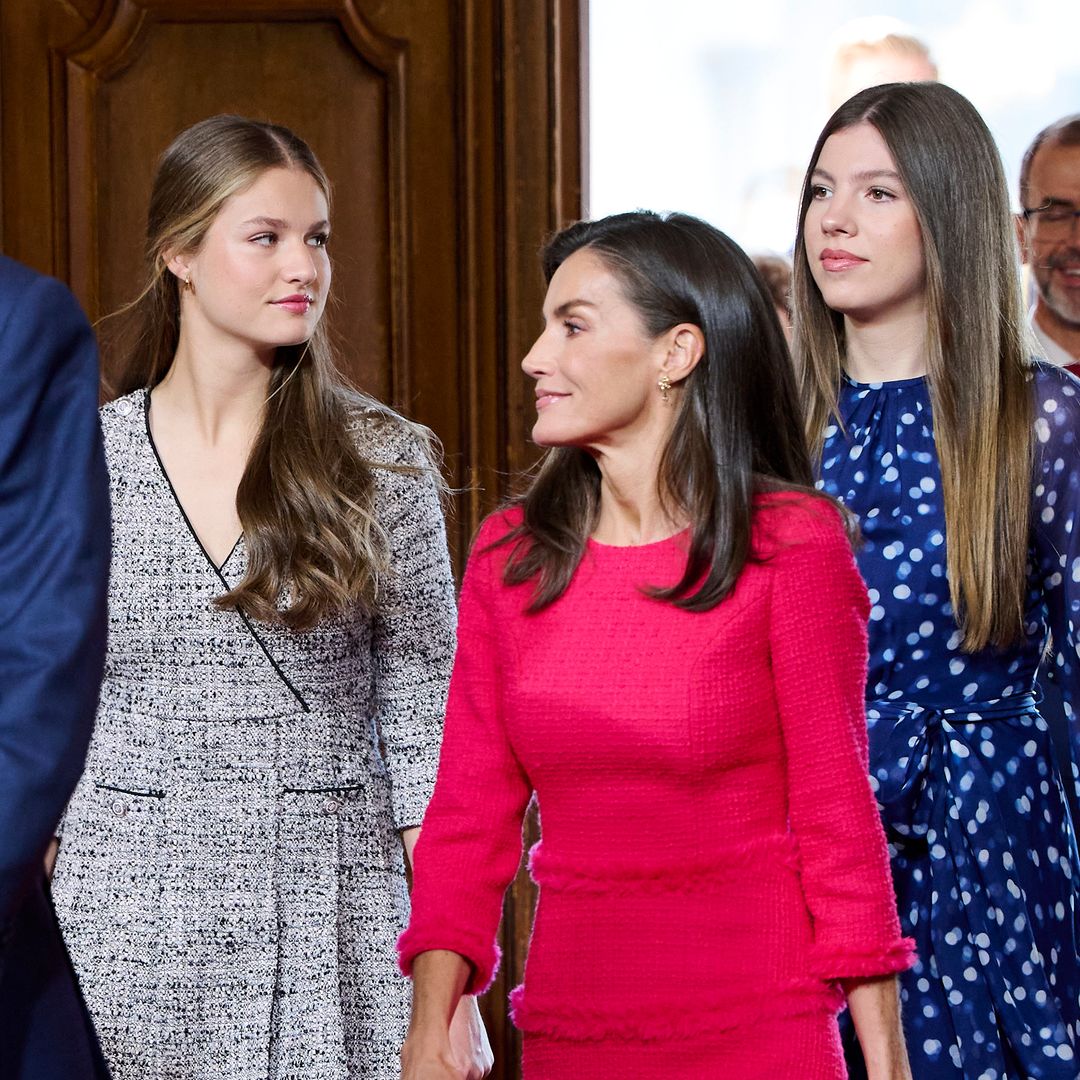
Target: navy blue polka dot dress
(984, 858)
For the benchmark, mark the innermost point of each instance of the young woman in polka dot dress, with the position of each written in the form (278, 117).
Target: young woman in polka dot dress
(960, 458)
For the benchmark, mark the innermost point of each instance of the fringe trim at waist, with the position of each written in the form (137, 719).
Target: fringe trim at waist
(671, 873)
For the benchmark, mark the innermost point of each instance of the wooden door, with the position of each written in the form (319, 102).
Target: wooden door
(451, 130)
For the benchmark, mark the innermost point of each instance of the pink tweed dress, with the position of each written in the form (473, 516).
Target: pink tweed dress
(712, 860)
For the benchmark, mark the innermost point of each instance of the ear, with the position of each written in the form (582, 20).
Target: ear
(685, 348)
(179, 264)
(1022, 239)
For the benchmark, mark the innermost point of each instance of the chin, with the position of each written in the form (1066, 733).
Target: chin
(289, 340)
(549, 435)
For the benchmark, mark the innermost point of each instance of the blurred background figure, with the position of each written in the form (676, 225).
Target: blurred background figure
(1050, 244)
(1050, 238)
(54, 564)
(776, 272)
(866, 52)
(876, 50)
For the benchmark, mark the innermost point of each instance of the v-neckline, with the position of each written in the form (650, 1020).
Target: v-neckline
(219, 569)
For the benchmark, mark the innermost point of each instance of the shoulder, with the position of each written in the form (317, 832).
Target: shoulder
(40, 320)
(798, 521)
(126, 411)
(489, 550)
(1057, 406)
(386, 439)
(496, 527)
(804, 543)
(16, 278)
(26, 294)
(123, 419)
(1054, 389)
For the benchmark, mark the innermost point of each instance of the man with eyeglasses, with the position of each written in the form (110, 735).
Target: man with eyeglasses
(1050, 242)
(1049, 227)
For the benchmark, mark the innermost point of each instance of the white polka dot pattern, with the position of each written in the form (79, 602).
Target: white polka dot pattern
(984, 858)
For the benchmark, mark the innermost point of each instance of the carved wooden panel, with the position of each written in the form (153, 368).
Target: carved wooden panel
(451, 131)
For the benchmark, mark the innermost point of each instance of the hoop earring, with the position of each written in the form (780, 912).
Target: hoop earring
(187, 286)
(664, 383)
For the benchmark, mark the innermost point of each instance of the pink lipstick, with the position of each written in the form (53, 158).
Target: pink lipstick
(298, 303)
(836, 259)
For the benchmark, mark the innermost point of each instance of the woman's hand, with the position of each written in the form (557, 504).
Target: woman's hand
(469, 1044)
(460, 1053)
(428, 1058)
(446, 1039)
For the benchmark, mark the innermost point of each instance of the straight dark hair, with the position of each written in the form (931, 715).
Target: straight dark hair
(978, 367)
(738, 431)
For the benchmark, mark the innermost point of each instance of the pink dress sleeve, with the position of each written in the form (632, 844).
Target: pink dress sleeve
(470, 842)
(818, 646)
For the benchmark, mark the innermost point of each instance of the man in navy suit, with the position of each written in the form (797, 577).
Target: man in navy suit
(54, 560)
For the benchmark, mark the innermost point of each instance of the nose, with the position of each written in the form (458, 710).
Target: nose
(537, 362)
(301, 266)
(838, 218)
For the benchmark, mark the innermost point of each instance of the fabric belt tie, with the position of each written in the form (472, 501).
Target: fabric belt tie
(910, 746)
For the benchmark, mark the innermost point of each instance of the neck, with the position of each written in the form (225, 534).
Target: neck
(886, 350)
(630, 508)
(217, 392)
(1062, 333)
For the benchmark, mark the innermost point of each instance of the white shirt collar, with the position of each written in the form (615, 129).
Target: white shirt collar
(1054, 352)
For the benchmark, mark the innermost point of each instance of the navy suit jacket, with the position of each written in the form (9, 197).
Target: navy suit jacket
(54, 560)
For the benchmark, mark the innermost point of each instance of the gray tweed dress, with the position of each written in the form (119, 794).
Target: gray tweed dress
(230, 879)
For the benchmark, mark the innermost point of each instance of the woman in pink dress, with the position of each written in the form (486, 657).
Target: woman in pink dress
(665, 639)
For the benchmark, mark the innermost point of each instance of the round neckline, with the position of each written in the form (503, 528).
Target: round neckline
(599, 545)
(882, 384)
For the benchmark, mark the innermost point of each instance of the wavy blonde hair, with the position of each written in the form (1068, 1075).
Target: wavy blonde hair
(306, 500)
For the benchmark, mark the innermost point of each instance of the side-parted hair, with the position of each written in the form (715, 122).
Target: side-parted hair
(306, 498)
(978, 369)
(738, 430)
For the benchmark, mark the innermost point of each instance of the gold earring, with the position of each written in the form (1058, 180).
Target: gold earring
(188, 287)
(664, 383)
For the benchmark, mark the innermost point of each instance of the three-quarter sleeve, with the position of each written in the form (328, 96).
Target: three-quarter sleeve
(1055, 526)
(412, 632)
(818, 647)
(470, 844)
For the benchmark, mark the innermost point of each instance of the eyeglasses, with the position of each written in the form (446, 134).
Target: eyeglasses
(1054, 218)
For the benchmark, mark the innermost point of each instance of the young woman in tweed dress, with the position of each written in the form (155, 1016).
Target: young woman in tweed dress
(230, 876)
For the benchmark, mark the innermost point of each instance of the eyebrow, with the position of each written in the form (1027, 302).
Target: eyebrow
(866, 174)
(277, 223)
(565, 309)
(1053, 201)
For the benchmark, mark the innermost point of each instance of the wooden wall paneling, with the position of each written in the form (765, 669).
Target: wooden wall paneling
(543, 175)
(29, 228)
(452, 132)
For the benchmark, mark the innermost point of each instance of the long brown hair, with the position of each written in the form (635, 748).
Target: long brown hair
(306, 498)
(738, 430)
(978, 370)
